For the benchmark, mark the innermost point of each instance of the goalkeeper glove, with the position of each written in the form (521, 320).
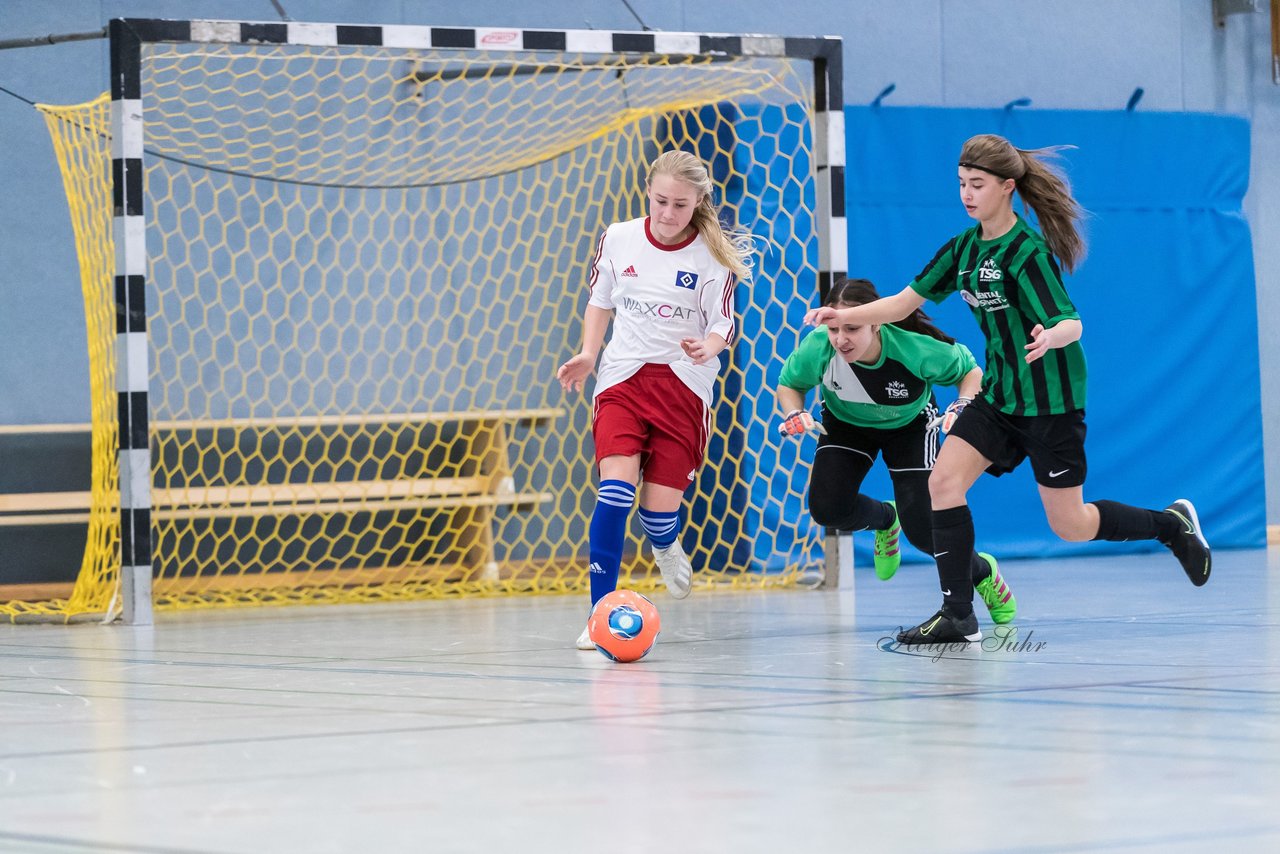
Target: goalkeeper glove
(948, 419)
(797, 422)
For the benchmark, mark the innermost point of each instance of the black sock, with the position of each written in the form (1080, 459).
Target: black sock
(1120, 523)
(886, 518)
(953, 550)
(979, 570)
(869, 514)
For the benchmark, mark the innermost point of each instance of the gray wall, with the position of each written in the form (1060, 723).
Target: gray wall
(1086, 54)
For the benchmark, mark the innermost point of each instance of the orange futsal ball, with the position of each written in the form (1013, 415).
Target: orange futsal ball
(624, 625)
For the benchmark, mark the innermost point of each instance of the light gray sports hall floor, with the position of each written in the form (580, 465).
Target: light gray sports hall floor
(778, 722)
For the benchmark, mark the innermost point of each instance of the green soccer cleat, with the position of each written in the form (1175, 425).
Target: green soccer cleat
(888, 555)
(996, 593)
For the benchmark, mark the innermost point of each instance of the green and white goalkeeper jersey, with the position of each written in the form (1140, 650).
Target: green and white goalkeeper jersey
(1012, 283)
(886, 394)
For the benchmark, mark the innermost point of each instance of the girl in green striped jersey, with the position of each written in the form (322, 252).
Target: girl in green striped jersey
(1033, 393)
(876, 388)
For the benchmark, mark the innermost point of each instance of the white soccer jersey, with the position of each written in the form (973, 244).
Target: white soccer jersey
(659, 295)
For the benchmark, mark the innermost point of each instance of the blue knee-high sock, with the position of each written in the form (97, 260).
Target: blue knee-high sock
(608, 531)
(661, 528)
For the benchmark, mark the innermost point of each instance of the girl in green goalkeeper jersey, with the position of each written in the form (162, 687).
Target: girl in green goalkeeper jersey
(876, 388)
(1033, 392)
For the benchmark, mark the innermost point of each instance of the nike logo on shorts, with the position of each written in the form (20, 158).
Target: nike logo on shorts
(1056, 473)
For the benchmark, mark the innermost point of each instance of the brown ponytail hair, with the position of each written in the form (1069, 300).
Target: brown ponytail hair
(848, 293)
(1041, 185)
(731, 247)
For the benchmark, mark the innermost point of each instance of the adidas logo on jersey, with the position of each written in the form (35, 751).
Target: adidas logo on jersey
(631, 271)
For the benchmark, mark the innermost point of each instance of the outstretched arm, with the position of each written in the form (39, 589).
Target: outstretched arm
(573, 373)
(1061, 334)
(883, 310)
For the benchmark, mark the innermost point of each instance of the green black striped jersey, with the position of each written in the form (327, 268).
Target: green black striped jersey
(886, 394)
(1012, 283)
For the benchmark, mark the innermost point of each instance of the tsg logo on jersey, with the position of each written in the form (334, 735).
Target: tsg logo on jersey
(990, 271)
(989, 275)
(685, 280)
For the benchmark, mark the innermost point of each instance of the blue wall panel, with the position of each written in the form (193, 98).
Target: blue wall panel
(1166, 295)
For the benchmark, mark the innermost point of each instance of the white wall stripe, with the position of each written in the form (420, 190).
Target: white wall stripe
(588, 41)
(832, 124)
(824, 224)
(763, 46)
(839, 239)
(130, 234)
(398, 35)
(677, 43)
(131, 361)
(314, 34)
(135, 478)
(136, 595)
(828, 134)
(126, 115)
(215, 31)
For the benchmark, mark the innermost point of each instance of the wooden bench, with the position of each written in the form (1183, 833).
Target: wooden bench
(441, 460)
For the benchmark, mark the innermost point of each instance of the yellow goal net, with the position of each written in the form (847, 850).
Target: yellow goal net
(363, 264)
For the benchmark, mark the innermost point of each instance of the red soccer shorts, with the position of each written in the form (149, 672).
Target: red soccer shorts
(657, 416)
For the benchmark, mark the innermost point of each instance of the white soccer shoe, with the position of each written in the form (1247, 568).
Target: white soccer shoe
(585, 642)
(677, 573)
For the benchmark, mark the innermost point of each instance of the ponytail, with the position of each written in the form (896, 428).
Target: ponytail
(1046, 190)
(1042, 186)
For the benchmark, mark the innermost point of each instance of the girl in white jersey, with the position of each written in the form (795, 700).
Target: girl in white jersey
(666, 281)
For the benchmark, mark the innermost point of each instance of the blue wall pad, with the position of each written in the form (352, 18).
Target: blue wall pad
(1166, 296)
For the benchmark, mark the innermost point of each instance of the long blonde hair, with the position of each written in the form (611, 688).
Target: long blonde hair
(732, 247)
(1040, 184)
